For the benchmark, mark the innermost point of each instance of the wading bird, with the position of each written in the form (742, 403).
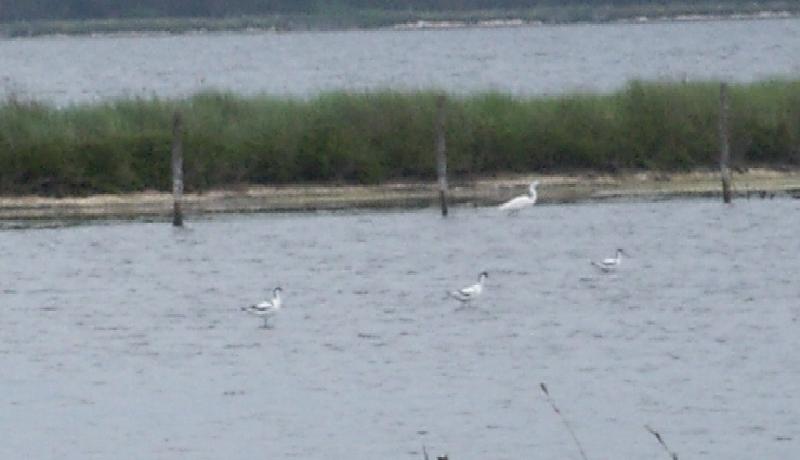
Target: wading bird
(266, 308)
(469, 293)
(523, 201)
(612, 263)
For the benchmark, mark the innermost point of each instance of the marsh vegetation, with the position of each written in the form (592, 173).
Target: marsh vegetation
(377, 136)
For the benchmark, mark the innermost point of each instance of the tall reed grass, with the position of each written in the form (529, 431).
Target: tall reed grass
(376, 136)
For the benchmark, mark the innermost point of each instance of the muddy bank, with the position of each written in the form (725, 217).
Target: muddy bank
(480, 192)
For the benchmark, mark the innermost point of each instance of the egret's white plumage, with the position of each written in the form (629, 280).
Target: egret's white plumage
(522, 201)
(611, 263)
(470, 292)
(266, 308)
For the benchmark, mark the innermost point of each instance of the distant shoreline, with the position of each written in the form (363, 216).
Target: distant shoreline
(644, 186)
(516, 22)
(409, 20)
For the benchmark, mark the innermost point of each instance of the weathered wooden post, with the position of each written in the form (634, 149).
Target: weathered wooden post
(724, 147)
(177, 169)
(441, 153)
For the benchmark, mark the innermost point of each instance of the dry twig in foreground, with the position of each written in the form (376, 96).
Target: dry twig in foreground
(661, 441)
(563, 419)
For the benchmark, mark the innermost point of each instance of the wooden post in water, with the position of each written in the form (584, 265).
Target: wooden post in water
(441, 153)
(177, 169)
(724, 147)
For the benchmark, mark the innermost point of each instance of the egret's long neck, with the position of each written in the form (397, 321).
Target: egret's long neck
(276, 298)
(619, 255)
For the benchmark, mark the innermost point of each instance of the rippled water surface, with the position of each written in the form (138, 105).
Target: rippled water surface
(125, 340)
(523, 60)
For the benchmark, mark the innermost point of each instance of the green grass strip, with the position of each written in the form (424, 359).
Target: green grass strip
(378, 136)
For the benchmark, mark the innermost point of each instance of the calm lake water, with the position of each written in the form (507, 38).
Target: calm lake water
(124, 340)
(522, 60)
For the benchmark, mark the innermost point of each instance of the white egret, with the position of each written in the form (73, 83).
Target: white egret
(523, 201)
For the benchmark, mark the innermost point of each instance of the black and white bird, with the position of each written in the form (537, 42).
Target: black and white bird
(470, 293)
(267, 308)
(523, 201)
(611, 263)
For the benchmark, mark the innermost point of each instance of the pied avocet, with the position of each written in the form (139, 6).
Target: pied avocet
(612, 263)
(470, 292)
(266, 308)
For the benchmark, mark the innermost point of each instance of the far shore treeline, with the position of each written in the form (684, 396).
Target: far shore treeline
(386, 135)
(47, 17)
(92, 9)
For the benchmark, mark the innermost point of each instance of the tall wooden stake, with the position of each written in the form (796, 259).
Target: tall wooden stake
(177, 169)
(441, 153)
(724, 152)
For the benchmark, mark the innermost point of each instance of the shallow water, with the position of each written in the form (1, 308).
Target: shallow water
(522, 60)
(124, 340)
